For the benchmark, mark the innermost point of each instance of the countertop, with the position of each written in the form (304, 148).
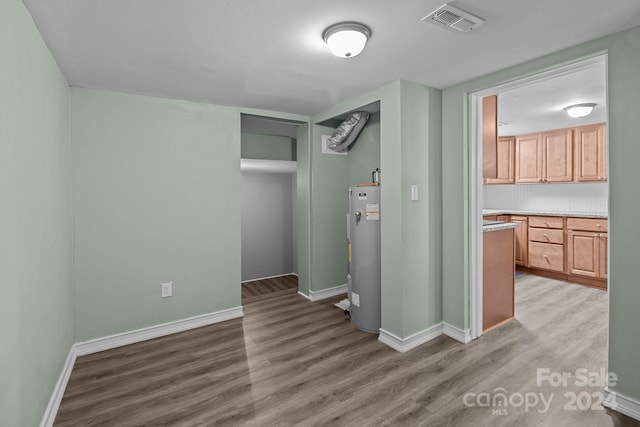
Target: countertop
(497, 225)
(543, 213)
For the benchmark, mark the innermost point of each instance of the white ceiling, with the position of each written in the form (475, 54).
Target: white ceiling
(540, 106)
(270, 54)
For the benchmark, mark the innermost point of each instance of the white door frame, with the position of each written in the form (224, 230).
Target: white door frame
(475, 176)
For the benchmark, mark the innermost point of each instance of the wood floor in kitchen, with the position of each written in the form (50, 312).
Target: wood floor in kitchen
(295, 362)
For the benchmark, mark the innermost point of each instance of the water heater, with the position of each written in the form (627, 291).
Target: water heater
(363, 237)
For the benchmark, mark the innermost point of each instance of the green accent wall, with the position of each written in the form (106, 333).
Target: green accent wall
(303, 211)
(36, 306)
(106, 195)
(267, 147)
(331, 177)
(329, 183)
(409, 129)
(364, 155)
(624, 151)
(156, 186)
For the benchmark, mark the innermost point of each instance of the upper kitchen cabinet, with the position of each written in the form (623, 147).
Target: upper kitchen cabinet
(505, 161)
(590, 151)
(529, 158)
(498, 154)
(489, 137)
(544, 157)
(557, 161)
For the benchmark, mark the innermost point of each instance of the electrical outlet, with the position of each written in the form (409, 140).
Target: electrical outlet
(167, 290)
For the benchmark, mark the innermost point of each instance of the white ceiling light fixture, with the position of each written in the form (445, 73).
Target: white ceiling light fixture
(579, 110)
(346, 39)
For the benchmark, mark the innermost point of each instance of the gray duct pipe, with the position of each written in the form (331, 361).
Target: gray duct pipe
(348, 131)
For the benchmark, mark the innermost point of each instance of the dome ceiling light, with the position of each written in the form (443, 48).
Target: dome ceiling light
(346, 39)
(579, 110)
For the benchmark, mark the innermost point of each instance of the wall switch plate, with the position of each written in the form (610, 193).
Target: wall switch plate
(167, 290)
(414, 192)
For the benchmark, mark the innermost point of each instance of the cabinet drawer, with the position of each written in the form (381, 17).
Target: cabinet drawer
(547, 256)
(546, 235)
(587, 224)
(546, 221)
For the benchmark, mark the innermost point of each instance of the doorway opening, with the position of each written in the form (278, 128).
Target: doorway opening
(269, 206)
(532, 108)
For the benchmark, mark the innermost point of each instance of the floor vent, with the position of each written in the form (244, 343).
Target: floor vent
(453, 19)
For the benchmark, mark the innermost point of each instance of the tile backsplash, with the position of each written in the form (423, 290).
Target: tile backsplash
(582, 197)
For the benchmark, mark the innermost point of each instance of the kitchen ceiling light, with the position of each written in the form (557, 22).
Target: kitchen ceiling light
(346, 39)
(579, 110)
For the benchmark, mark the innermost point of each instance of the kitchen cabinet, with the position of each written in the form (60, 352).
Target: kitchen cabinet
(557, 159)
(587, 247)
(505, 161)
(546, 243)
(498, 278)
(590, 152)
(522, 241)
(489, 136)
(529, 158)
(544, 157)
(563, 155)
(562, 248)
(603, 257)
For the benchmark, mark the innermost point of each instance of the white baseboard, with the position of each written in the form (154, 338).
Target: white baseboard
(463, 336)
(138, 335)
(623, 404)
(405, 344)
(58, 391)
(305, 295)
(327, 293)
(270, 277)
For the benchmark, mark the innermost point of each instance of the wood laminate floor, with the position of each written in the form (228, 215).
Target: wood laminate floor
(256, 289)
(294, 362)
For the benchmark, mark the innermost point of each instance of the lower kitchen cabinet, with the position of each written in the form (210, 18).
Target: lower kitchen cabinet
(522, 241)
(498, 272)
(548, 256)
(587, 247)
(546, 243)
(604, 258)
(564, 248)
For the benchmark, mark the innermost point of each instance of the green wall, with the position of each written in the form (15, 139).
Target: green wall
(364, 155)
(303, 210)
(624, 151)
(267, 147)
(156, 186)
(329, 183)
(421, 220)
(331, 177)
(36, 306)
(408, 126)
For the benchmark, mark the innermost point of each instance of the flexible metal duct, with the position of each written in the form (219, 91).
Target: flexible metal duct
(348, 131)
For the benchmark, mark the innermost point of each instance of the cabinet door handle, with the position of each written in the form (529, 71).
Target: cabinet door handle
(598, 225)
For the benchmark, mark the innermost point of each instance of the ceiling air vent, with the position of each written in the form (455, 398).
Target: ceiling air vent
(453, 19)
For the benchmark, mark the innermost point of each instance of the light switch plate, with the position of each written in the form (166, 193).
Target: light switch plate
(414, 192)
(167, 290)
